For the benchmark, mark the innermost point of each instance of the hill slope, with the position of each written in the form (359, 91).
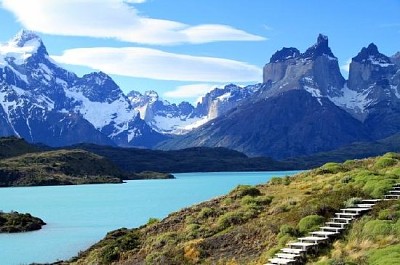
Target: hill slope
(62, 167)
(251, 223)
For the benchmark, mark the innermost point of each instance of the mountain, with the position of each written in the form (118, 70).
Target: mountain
(167, 118)
(292, 124)
(42, 102)
(305, 106)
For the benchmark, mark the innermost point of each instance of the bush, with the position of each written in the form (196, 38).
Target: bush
(206, 212)
(352, 202)
(310, 223)
(244, 190)
(229, 219)
(376, 228)
(152, 221)
(384, 162)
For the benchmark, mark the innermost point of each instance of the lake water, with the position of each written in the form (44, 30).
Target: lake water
(79, 216)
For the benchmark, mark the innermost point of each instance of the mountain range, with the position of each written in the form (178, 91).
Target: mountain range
(304, 105)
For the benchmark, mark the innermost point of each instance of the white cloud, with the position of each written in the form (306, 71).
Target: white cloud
(346, 66)
(115, 19)
(190, 91)
(160, 65)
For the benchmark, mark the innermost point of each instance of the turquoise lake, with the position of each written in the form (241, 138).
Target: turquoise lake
(79, 216)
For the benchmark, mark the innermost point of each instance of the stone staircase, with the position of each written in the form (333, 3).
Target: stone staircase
(295, 253)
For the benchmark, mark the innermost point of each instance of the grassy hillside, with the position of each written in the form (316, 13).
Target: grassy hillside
(250, 224)
(61, 167)
(15, 222)
(13, 146)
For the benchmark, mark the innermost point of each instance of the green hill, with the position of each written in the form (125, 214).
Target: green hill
(13, 146)
(248, 225)
(61, 167)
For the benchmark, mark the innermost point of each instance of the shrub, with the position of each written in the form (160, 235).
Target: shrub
(310, 223)
(331, 168)
(229, 219)
(376, 228)
(152, 221)
(244, 190)
(384, 162)
(352, 202)
(206, 212)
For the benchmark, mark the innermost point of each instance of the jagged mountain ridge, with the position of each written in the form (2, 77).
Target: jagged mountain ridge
(365, 107)
(42, 102)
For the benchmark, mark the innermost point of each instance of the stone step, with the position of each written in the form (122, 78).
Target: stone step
(341, 225)
(365, 205)
(341, 220)
(352, 215)
(312, 239)
(396, 197)
(281, 261)
(371, 201)
(301, 245)
(331, 228)
(292, 250)
(287, 256)
(394, 191)
(357, 210)
(325, 234)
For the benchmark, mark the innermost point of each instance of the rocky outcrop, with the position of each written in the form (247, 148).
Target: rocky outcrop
(316, 70)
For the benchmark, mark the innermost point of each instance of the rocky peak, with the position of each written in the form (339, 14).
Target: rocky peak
(151, 96)
(371, 55)
(25, 36)
(396, 58)
(319, 49)
(284, 54)
(29, 42)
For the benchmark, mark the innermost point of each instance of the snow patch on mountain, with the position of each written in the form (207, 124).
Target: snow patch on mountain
(100, 114)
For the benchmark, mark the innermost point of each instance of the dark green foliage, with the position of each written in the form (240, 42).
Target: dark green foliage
(310, 223)
(13, 146)
(245, 190)
(17, 222)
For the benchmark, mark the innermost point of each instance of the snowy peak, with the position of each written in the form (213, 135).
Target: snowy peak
(25, 36)
(98, 87)
(284, 54)
(319, 49)
(371, 55)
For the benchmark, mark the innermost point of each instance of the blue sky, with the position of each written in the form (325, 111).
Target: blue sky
(183, 48)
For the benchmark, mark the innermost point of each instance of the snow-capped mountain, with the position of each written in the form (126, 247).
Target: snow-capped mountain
(306, 106)
(168, 118)
(43, 102)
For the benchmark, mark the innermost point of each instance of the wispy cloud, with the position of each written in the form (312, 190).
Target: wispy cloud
(160, 65)
(116, 19)
(346, 67)
(190, 91)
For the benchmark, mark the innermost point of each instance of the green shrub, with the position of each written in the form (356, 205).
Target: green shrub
(376, 228)
(331, 168)
(352, 202)
(310, 223)
(206, 212)
(245, 190)
(384, 162)
(287, 230)
(228, 219)
(152, 221)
